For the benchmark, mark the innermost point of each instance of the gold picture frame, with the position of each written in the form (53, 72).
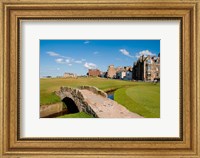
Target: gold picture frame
(13, 11)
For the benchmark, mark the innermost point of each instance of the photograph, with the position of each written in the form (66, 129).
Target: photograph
(99, 78)
(96, 78)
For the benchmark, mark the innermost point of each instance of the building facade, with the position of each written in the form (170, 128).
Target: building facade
(94, 72)
(121, 72)
(69, 75)
(129, 75)
(111, 73)
(147, 68)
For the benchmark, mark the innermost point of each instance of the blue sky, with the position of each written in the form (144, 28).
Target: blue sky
(77, 56)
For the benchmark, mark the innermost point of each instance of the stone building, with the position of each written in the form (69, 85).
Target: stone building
(111, 73)
(121, 72)
(69, 75)
(124, 68)
(94, 72)
(129, 75)
(147, 68)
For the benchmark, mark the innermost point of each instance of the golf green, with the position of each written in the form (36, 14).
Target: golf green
(141, 99)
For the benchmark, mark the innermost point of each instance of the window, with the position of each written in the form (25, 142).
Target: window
(149, 61)
(148, 67)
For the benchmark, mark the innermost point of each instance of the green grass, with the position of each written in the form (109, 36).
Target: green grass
(48, 98)
(48, 86)
(77, 115)
(141, 99)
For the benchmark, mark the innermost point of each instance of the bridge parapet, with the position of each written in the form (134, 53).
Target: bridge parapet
(94, 90)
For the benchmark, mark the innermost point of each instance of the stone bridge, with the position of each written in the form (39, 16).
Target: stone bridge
(94, 102)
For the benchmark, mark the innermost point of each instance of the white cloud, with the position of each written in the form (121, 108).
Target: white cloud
(67, 61)
(125, 52)
(137, 55)
(53, 54)
(64, 59)
(78, 61)
(90, 65)
(145, 53)
(86, 42)
(60, 61)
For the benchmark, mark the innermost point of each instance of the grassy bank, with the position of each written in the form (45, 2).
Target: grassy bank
(141, 99)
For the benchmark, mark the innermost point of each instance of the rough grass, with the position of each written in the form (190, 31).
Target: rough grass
(77, 115)
(141, 99)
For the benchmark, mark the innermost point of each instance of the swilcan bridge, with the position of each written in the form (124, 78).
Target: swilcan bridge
(94, 102)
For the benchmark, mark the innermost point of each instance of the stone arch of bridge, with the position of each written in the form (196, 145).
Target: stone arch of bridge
(71, 105)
